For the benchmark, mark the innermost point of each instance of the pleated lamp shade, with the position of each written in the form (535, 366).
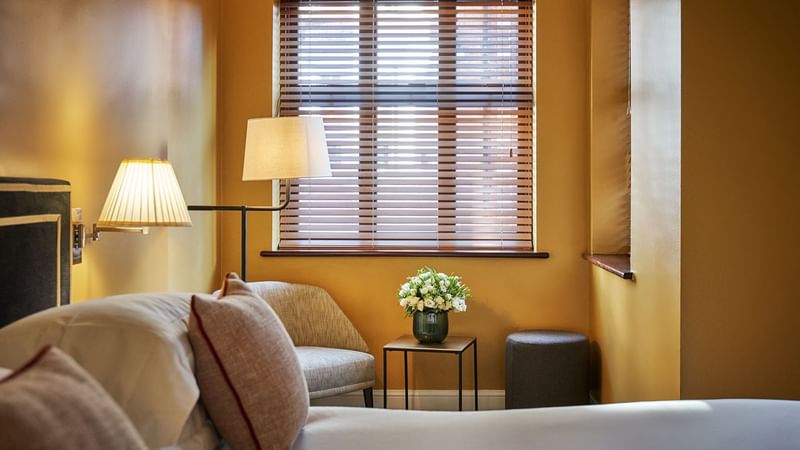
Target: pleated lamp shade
(145, 193)
(285, 147)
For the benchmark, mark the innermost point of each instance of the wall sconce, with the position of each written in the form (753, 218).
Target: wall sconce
(144, 193)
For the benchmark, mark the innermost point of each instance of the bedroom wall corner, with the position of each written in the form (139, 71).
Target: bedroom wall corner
(636, 324)
(86, 83)
(245, 91)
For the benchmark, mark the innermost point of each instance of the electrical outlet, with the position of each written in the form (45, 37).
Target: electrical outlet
(78, 236)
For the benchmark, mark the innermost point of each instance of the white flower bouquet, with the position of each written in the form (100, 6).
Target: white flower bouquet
(430, 290)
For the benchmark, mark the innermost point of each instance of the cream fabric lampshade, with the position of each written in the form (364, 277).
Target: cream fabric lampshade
(145, 193)
(285, 147)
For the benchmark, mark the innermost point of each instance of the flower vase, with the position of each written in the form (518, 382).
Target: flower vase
(430, 327)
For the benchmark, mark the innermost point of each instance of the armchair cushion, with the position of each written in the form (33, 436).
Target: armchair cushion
(310, 315)
(333, 371)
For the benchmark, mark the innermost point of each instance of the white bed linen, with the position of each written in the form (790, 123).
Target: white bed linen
(668, 425)
(198, 432)
(135, 346)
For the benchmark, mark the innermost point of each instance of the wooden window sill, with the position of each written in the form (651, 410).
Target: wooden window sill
(619, 265)
(431, 253)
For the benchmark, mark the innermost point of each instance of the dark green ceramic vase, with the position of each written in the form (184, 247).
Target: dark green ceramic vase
(430, 327)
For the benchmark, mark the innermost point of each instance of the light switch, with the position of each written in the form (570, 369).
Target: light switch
(78, 236)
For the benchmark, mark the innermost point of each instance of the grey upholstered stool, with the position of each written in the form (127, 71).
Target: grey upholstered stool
(546, 368)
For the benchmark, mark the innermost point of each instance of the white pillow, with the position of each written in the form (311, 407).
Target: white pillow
(134, 345)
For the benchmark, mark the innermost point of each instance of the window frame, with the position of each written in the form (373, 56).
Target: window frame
(366, 181)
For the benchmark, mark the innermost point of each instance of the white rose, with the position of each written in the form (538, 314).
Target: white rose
(443, 285)
(403, 302)
(429, 302)
(442, 275)
(420, 306)
(439, 300)
(448, 296)
(405, 286)
(424, 290)
(413, 301)
(448, 305)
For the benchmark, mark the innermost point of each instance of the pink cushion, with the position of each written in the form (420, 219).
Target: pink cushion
(250, 379)
(52, 403)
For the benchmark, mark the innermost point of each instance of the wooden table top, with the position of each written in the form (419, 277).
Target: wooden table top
(451, 344)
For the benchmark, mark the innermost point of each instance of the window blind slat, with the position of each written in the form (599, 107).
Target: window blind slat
(429, 116)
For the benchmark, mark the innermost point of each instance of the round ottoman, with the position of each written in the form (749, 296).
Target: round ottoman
(546, 368)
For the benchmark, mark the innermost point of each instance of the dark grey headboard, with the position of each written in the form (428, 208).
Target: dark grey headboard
(35, 250)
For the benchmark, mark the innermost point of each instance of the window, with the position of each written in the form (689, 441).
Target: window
(429, 112)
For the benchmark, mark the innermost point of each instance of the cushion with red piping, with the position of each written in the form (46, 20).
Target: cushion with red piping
(250, 379)
(53, 403)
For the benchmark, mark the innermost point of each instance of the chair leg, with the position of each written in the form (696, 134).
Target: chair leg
(368, 398)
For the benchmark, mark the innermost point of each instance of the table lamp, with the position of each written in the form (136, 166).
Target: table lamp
(278, 148)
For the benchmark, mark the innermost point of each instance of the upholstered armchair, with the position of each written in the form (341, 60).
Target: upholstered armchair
(333, 354)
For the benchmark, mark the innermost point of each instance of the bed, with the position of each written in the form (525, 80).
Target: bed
(136, 347)
(664, 425)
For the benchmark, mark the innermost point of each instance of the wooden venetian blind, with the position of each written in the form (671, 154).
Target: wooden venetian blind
(429, 113)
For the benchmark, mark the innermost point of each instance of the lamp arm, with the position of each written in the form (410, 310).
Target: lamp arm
(274, 208)
(96, 229)
(244, 209)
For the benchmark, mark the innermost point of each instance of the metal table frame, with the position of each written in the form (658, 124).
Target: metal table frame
(457, 345)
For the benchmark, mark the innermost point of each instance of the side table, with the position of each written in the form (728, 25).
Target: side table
(452, 344)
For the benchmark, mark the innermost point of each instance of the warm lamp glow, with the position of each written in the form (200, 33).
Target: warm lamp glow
(145, 193)
(285, 147)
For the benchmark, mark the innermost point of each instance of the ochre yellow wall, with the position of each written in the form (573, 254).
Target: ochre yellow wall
(508, 294)
(245, 91)
(636, 324)
(86, 83)
(740, 309)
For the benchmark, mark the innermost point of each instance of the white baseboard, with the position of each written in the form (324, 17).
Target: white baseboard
(432, 400)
